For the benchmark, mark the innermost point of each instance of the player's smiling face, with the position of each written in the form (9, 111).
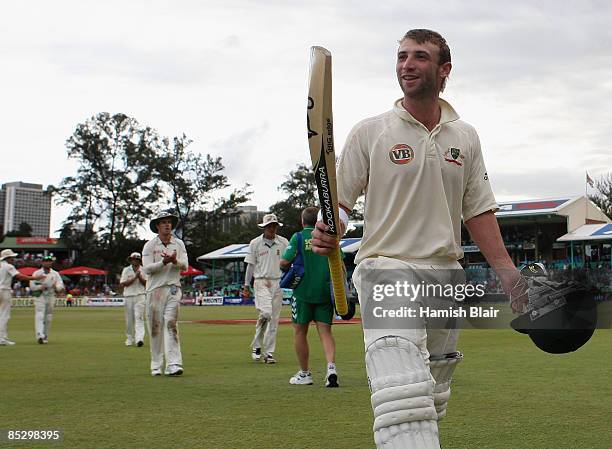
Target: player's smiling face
(417, 69)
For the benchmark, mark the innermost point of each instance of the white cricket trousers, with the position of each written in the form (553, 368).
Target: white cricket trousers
(135, 318)
(269, 302)
(429, 336)
(43, 314)
(162, 306)
(5, 312)
(431, 340)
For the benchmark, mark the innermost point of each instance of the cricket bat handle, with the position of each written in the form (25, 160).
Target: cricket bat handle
(337, 277)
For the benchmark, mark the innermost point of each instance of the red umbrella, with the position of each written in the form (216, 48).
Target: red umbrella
(82, 271)
(191, 272)
(28, 271)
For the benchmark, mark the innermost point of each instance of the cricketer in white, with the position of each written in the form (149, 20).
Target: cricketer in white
(163, 258)
(422, 170)
(263, 263)
(133, 280)
(7, 273)
(43, 304)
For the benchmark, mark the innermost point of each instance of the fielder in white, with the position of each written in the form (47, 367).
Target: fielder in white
(7, 273)
(163, 259)
(45, 302)
(133, 280)
(422, 170)
(263, 263)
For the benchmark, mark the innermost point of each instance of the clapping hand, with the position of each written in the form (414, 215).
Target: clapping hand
(169, 258)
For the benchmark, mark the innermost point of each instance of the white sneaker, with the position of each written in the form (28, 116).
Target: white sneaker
(331, 379)
(269, 359)
(155, 372)
(174, 370)
(301, 379)
(256, 354)
(6, 342)
(45, 341)
(129, 342)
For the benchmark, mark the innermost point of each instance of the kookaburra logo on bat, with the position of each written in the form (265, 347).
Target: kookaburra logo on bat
(311, 133)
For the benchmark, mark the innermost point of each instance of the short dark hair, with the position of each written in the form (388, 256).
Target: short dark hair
(309, 215)
(421, 36)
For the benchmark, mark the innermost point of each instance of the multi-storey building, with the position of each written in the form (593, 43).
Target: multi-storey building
(22, 202)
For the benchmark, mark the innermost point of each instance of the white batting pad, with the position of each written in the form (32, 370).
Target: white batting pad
(442, 368)
(402, 395)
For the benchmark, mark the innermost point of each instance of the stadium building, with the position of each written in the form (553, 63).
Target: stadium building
(22, 202)
(541, 231)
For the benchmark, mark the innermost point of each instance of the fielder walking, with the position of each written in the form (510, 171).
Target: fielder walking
(164, 257)
(312, 302)
(7, 273)
(134, 281)
(48, 289)
(422, 170)
(263, 263)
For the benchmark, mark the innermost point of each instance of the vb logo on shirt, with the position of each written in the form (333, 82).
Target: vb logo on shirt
(401, 154)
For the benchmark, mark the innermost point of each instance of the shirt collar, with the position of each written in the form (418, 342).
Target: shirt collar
(448, 114)
(162, 243)
(275, 240)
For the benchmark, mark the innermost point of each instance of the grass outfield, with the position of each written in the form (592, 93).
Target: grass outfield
(507, 394)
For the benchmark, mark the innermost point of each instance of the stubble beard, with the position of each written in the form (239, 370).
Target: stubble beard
(426, 89)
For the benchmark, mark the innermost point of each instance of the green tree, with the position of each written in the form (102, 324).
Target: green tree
(301, 190)
(24, 230)
(603, 197)
(195, 182)
(114, 187)
(83, 244)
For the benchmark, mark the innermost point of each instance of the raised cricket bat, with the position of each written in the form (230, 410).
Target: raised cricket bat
(321, 142)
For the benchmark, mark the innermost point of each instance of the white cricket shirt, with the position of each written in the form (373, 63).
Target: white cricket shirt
(417, 183)
(265, 258)
(158, 274)
(135, 288)
(7, 273)
(53, 282)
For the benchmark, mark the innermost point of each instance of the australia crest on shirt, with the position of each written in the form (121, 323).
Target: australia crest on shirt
(454, 156)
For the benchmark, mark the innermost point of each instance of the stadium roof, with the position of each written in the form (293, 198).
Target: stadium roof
(533, 207)
(32, 243)
(234, 251)
(589, 232)
(240, 250)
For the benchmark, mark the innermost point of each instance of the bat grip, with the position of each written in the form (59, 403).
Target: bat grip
(337, 277)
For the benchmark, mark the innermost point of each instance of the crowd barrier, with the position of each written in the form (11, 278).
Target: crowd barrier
(77, 301)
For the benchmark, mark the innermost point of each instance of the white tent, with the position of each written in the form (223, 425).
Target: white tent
(233, 251)
(588, 232)
(240, 250)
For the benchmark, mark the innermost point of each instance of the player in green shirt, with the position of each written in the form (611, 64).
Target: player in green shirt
(311, 302)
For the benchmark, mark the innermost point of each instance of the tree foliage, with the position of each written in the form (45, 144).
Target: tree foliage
(301, 189)
(125, 173)
(603, 197)
(23, 230)
(194, 182)
(114, 188)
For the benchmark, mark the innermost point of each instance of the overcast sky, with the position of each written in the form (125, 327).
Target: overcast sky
(533, 77)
